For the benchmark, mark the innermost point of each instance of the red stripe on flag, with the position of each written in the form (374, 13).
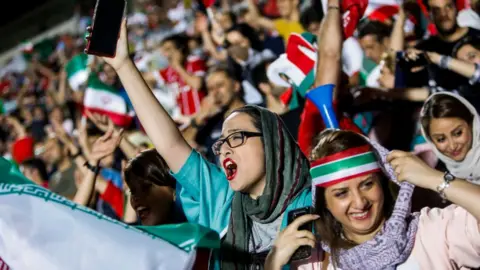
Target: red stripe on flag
(340, 155)
(121, 120)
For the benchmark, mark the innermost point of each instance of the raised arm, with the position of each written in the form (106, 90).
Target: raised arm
(102, 147)
(397, 37)
(330, 47)
(161, 129)
(255, 19)
(411, 168)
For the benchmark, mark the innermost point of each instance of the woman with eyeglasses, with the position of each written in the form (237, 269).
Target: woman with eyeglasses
(263, 174)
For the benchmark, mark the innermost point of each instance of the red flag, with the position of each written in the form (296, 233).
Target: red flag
(208, 3)
(352, 11)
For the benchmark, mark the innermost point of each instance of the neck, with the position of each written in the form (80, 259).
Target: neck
(459, 33)
(364, 237)
(64, 164)
(275, 105)
(294, 16)
(257, 188)
(235, 104)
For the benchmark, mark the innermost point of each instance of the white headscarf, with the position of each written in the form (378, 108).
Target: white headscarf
(469, 168)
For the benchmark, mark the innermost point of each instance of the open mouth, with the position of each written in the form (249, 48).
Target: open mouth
(142, 212)
(230, 168)
(362, 215)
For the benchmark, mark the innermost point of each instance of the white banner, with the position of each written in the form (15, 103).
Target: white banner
(41, 230)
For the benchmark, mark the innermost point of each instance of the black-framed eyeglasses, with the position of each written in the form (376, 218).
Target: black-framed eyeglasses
(233, 140)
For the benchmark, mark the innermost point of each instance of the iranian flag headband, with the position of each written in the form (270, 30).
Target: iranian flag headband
(343, 166)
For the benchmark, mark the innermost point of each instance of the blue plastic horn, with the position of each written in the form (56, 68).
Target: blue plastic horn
(322, 98)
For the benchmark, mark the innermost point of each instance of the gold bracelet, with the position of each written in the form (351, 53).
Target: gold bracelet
(333, 7)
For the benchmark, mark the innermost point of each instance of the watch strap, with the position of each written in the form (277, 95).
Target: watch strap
(447, 179)
(94, 169)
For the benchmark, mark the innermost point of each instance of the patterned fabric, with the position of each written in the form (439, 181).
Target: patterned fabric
(287, 176)
(394, 243)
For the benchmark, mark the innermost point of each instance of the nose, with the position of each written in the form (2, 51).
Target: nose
(452, 145)
(359, 201)
(225, 150)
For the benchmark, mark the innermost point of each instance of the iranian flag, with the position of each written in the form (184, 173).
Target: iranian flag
(78, 71)
(104, 99)
(41, 230)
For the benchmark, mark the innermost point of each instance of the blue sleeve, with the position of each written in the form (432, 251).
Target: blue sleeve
(205, 195)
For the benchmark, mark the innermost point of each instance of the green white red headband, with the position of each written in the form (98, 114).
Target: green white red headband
(343, 166)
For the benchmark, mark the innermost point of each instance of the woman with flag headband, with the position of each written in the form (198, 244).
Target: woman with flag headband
(264, 172)
(360, 225)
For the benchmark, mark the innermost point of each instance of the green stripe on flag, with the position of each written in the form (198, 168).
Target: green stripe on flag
(186, 236)
(346, 163)
(94, 83)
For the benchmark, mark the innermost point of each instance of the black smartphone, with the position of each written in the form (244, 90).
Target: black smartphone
(303, 252)
(107, 20)
(404, 75)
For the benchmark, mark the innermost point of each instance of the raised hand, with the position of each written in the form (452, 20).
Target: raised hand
(106, 145)
(121, 54)
(409, 167)
(102, 122)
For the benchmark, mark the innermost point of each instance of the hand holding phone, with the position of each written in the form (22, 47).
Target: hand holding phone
(296, 241)
(106, 28)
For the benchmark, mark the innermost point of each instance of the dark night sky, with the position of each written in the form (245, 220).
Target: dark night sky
(13, 9)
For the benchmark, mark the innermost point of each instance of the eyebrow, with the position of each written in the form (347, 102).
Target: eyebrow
(346, 188)
(441, 134)
(230, 131)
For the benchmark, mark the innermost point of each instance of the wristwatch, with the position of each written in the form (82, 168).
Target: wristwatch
(447, 179)
(94, 169)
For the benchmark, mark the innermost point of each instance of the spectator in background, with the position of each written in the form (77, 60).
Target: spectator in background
(225, 94)
(444, 13)
(57, 117)
(35, 170)
(184, 75)
(311, 19)
(288, 23)
(246, 50)
(374, 38)
(62, 181)
(152, 189)
(468, 49)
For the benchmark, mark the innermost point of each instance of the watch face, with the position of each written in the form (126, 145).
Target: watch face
(449, 177)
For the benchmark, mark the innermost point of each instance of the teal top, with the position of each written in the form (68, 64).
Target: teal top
(206, 196)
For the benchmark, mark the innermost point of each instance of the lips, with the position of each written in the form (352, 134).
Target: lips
(361, 215)
(142, 212)
(456, 153)
(230, 168)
